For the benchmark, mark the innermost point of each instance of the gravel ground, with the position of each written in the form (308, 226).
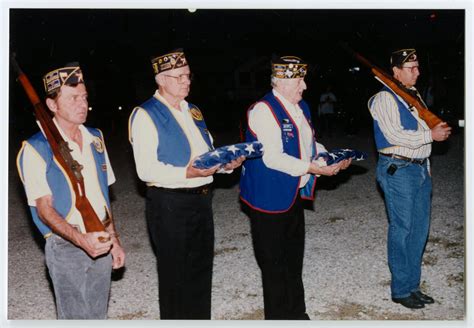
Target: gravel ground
(345, 271)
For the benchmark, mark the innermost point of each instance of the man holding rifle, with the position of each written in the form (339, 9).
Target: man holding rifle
(79, 262)
(404, 141)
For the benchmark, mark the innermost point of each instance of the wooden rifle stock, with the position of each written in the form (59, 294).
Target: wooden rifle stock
(62, 154)
(407, 95)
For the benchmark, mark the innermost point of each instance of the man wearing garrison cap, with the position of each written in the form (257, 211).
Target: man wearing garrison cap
(403, 141)
(79, 264)
(167, 133)
(272, 187)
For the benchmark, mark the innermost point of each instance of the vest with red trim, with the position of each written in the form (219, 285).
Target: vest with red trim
(268, 190)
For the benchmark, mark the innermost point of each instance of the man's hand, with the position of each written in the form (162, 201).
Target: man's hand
(118, 254)
(441, 132)
(331, 169)
(90, 243)
(234, 164)
(346, 163)
(192, 172)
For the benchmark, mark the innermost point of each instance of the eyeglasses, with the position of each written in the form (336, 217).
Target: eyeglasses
(182, 78)
(412, 68)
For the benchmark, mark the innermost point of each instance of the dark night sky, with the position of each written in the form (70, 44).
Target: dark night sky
(114, 47)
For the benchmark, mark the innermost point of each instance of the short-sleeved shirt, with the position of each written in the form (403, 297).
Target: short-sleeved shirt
(36, 184)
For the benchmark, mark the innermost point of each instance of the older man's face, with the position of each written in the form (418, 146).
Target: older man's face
(292, 89)
(176, 82)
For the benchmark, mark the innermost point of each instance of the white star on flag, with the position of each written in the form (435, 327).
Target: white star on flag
(226, 154)
(215, 153)
(249, 148)
(337, 155)
(233, 149)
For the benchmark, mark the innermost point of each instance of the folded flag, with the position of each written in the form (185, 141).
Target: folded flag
(337, 155)
(226, 154)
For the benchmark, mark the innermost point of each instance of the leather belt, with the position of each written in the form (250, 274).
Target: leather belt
(420, 161)
(201, 190)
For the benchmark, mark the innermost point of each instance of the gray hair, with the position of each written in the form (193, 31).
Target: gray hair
(274, 81)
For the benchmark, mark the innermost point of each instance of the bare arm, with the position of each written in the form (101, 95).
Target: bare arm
(117, 251)
(89, 242)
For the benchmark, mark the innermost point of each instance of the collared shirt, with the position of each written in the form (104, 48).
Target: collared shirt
(145, 144)
(408, 143)
(268, 131)
(36, 184)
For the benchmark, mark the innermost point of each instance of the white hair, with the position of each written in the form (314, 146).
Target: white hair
(274, 81)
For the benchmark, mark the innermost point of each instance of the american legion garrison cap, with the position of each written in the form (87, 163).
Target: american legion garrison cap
(70, 74)
(171, 60)
(399, 57)
(288, 67)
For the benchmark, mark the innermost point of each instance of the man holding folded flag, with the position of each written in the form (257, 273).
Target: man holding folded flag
(273, 186)
(167, 134)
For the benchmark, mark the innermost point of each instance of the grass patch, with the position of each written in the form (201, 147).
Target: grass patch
(430, 259)
(255, 315)
(132, 316)
(225, 250)
(356, 311)
(455, 279)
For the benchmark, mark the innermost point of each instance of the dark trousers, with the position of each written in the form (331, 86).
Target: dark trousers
(278, 242)
(182, 231)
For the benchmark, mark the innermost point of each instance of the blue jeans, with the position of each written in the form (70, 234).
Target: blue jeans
(408, 203)
(81, 284)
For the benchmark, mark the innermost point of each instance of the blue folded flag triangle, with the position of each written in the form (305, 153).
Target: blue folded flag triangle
(226, 154)
(337, 155)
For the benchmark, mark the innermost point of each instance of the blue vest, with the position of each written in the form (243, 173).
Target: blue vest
(406, 118)
(170, 134)
(268, 190)
(58, 182)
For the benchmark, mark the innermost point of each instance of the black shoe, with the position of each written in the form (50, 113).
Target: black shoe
(410, 302)
(423, 298)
